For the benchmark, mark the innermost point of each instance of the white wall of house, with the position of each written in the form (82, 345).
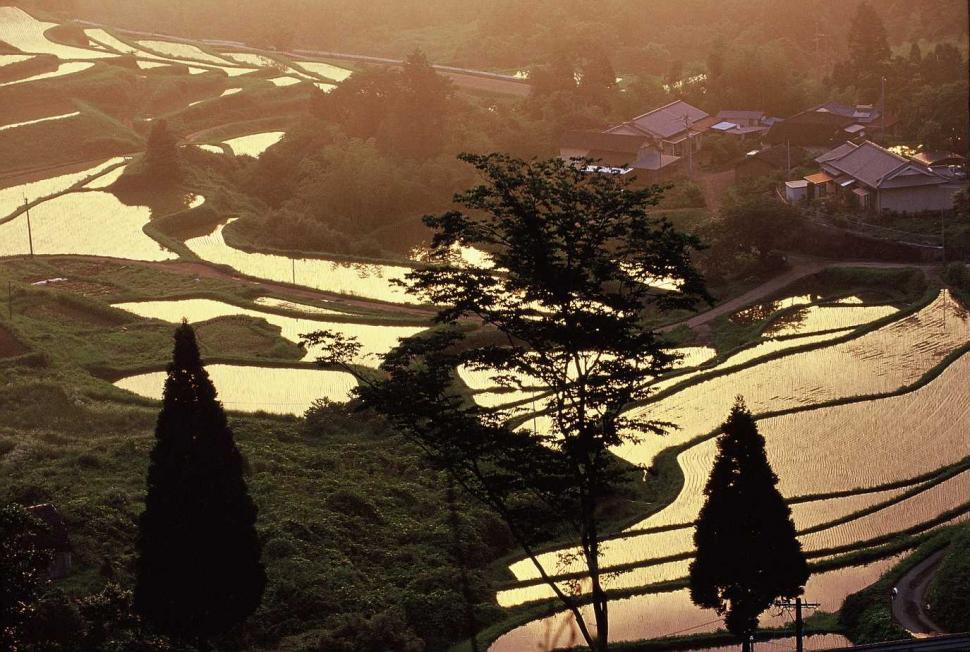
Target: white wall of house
(915, 200)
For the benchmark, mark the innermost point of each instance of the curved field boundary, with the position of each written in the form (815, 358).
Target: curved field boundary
(929, 376)
(77, 187)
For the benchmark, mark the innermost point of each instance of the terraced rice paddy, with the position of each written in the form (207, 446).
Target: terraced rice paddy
(376, 341)
(814, 319)
(83, 223)
(12, 197)
(182, 51)
(352, 279)
(49, 118)
(26, 33)
(282, 304)
(325, 70)
(105, 38)
(63, 69)
(813, 451)
(663, 614)
(285, 81)
(255, 144)
(258, 389)
(106, 179)
(8, 59)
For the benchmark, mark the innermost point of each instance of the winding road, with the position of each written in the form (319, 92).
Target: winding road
(909, 606)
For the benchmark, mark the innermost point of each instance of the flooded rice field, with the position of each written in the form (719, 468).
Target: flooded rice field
(326, 70)
(83, 223)
(366, 280)
(63, 69)
(181, 51)
(254, 144)
(376, 341)
(26, 33)
(664, 614)
(880, 361)
(35, 121)
(12, 197)
(814, 319)
(258, 389)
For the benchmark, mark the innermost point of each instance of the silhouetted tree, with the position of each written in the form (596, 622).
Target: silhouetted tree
(869, 53)
(161, 153)
(24, 559)
(576, 254)
(754, 222)
(415, 126)
(747, 553)
(199, 571)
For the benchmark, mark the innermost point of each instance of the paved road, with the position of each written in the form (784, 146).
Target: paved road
(909, 607)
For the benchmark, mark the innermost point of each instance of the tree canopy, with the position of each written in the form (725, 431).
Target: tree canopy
(24, 559)
(575, 259)
(747, 552)
(198, 570)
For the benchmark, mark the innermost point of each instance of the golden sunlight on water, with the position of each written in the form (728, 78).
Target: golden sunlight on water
(254, 144)
(26, 33)
(824, 318)
(83, 223)
(35, 121)
(880, 361)
(375, 340)
(253, 389)
(819, 451)
(325, 70)
(664, 614)
(12, 197)
(63, 69)
(353, 279)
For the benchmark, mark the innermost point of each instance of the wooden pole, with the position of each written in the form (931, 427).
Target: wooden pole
(30, 235)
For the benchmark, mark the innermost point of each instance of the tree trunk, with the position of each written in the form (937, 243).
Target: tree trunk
(746, 643)
(202, 645)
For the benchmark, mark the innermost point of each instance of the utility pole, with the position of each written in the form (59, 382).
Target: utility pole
(788, 154)
(10, 299)
(799, 625)
(293, 260)
(882, 110)
(30, 235)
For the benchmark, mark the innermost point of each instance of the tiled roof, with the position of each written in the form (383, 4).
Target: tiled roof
(668, 120)
(602, 142)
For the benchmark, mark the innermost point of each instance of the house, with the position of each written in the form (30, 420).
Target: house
(767, 161)
(652, 145)
(669, 127)
(877, 179)
(743, 125)
(54, 538)
(826, 124)
(620, 154)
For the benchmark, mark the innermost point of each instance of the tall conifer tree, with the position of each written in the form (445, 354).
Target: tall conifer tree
(199, 572)
(747, 553)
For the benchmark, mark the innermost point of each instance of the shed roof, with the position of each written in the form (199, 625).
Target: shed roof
(740, 115)
(818, 178)
(874, 165)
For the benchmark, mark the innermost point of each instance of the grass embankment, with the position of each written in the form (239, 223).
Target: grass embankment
(867, 615)
(949, 592)
(355, 539)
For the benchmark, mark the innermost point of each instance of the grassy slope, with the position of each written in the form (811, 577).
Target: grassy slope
(949, 593)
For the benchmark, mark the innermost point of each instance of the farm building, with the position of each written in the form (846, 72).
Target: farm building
(826, 124)
(776, 159)
(880, 180)
(743, 125)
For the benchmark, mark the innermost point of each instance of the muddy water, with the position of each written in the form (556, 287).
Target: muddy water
(354, 279)
(375, 340)
(253, 389)
(665, 614)
(83, 223)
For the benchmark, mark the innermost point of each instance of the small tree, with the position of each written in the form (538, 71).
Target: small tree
(24, 560)
(576, 259)
(199, 571)
(747, 552)
(161, 153)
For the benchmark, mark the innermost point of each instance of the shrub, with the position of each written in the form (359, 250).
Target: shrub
(949, 594)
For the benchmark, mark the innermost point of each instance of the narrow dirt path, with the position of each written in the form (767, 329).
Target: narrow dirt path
(909, 605)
